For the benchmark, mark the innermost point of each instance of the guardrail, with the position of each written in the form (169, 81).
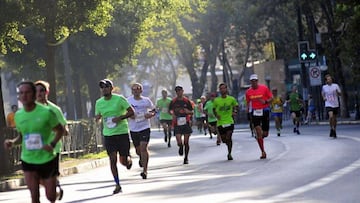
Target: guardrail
(84, 137)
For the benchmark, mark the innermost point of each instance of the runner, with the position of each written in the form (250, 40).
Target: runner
(295, 102)
(139, 125)
(114, 110)
(42, 92)
(258, 98)
(211, 118)
(181, 109)
(277, 110)
(35, 124)
(162, 106)
(225, 109)
(330, 93)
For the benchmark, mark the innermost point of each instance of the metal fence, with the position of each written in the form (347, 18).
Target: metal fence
(84, 137)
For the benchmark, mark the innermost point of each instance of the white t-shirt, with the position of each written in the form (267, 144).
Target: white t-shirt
(141, 107)
(330, 93)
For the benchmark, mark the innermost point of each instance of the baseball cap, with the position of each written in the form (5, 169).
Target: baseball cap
(43, 83)
(254, 77)
(106, 82)
(177, 88)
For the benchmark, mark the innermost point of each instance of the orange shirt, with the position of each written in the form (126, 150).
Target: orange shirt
(256, 95)
(10, 120)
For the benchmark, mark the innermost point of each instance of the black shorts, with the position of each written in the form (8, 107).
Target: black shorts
(168, 122)
(213, 124)
(222, 130)
(183, 129)
(117, 143)
(334, 110)
(263, 121)
(297, 113)
(45, 171)
(141, 136)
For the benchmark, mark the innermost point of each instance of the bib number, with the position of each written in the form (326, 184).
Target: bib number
(258, 112)
(181, 121)
(33, 142)
(164, 110)
(109, 122)
(140, 117)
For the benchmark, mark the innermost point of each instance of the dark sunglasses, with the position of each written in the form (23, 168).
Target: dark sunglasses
(104, 86)
(136, 88)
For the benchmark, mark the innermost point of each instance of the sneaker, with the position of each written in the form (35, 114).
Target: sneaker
(298, 132)
(117, 189)
(169, 145)
(218, 142)
(165, 138)
(128, 163)
(230, 157)
(331, 133)
(59, 195)
(278, 134)
(186, 161)
(263, 155)
(335, 134)
(181, 150)
(294, 130)
(143, 175)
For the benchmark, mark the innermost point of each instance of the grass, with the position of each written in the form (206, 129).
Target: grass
(64, 163)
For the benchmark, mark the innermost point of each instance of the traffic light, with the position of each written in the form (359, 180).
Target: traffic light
(306, 54)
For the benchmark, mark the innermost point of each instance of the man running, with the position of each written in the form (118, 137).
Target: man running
(139, 125)
(277, 110)
(181, 109)
(258, 98)
(330, 93)
(162, 105)
(114, 110)
(211, 118)
(225, 109)
(295, 102)
(42, 92)
(36, 124)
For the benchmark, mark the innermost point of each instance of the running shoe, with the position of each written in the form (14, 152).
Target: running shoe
(128, 163)
(117, 189)
(263, 155)
(60, 194)
(230, 157)
(186, 161)
(294, 130)
(181, 150)
(169, 145)
(298, 132)
(143, 175)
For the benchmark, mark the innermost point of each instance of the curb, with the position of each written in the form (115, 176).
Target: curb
(16, 183)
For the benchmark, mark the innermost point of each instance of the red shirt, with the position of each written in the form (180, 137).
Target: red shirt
(254, 96)
(178, 106)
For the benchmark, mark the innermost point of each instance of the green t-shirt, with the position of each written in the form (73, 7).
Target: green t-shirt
(60, 116)
(210, 111)
(116, 106)
(224, 108)
(36, 131)
(163, 106)
(294, 103)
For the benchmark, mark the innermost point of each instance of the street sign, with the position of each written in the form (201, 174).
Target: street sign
(315, 76)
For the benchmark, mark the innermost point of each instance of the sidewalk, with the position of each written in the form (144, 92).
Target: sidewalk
(86, 165)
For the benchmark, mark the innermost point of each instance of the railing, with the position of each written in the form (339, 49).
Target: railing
(84, 137)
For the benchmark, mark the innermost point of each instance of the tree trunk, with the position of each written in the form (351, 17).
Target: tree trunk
(4, 155)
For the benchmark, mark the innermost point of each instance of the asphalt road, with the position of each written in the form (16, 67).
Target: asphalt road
(310, 167)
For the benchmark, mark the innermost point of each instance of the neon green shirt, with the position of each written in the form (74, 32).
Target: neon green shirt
(36, 131)
(224, 108)
(163, 105)
(59, 114)
(209, 108)
(116, 106)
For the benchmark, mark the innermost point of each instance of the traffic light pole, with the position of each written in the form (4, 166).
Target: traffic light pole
(304, 77)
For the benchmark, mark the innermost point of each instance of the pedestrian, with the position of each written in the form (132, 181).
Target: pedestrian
(182, 110)
(10, 116)
(113, 110)
(42, 92)
(277, 110)
(225, 109)
(311, 110)
(330, 93)
(210, 117)
(258, 98)
(198, 113)
(165, 117)
(295, 102)
(139, 125)
(35, 124)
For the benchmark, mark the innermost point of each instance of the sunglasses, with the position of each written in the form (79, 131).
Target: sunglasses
(104, 86)
(136, 88)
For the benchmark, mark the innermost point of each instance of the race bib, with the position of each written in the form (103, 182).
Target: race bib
(165, 110)
(258, 112)
(109, 122)
(33, 141)
(276, 107)
(140, 117)
(181, 121)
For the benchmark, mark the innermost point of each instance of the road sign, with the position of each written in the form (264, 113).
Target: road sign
(315, 75)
